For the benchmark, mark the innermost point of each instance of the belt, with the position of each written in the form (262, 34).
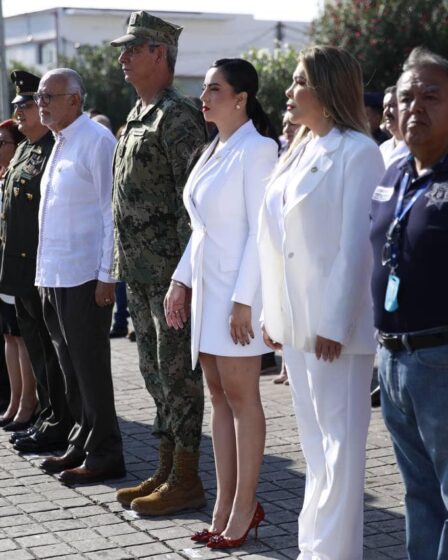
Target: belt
(412, 341)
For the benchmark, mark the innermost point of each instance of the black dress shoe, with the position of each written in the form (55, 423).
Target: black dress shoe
(19, 426)
(5, 420)
(84, 475)
(71, 459)
(118, 333)
(24, 433)
(39, 443)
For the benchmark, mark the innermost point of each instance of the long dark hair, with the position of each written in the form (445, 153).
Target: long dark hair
(242, 76)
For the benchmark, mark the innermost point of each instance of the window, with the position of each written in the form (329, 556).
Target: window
(46, 53)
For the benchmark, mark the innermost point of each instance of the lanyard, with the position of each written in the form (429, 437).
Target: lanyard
(399, 212)
(393, 233)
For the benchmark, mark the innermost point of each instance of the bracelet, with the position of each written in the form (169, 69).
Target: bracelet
(179, 284)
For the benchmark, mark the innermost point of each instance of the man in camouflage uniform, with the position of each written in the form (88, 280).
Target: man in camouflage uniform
(151, 231)
(18, 248)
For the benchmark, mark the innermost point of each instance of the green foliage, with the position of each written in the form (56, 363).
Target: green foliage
(381, 33)
(275, 69)
(104, 81)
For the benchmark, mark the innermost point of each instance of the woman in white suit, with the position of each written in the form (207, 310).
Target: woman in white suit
(315, 268)
(223, 197)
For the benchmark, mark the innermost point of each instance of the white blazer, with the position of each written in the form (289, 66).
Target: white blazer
(320, 282)
(224, 235)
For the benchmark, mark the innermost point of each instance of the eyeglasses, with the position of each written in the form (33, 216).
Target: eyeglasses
(132, 50)
(4, 142)
(45, 98)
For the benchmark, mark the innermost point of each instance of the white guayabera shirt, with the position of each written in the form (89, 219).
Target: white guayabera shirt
(75, 214)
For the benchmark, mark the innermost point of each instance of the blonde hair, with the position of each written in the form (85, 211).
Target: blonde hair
(336, 77)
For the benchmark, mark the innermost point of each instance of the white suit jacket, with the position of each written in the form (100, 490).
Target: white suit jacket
(238, 174)
(320, 282)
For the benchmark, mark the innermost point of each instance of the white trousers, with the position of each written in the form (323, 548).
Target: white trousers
(332, 407)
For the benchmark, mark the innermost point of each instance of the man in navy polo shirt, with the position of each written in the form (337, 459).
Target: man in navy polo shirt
(410, 289)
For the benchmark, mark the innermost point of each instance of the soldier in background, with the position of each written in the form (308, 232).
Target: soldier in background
(151, 231)
(18, 248)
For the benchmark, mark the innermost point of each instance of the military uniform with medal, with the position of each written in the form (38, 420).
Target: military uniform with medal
(19, 235)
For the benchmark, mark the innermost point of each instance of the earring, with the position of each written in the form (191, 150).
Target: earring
(326, 114)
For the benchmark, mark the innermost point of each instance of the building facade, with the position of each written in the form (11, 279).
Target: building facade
(39, 39)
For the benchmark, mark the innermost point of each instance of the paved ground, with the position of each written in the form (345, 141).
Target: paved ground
(39, 518)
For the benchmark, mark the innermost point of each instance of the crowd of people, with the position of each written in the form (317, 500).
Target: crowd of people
(231, 248)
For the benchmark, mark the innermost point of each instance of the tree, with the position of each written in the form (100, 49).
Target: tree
(381, 33)
(103, 78)
(275, 69)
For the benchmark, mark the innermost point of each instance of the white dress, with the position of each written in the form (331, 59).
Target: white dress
(223, 196)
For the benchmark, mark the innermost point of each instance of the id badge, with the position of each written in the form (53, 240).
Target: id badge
(391, 299)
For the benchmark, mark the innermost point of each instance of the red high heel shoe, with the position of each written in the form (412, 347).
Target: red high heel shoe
(204, 536)
(224, 542)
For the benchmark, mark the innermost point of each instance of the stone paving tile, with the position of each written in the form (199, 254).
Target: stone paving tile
(170, 533)
(51, 551)
(68, 503)
(374, 555)
(69, 557)
(100, 520)
(93, 544)
(76, 535)
(38, 506)
(18, 555)
(116, 529)
(7, 544)
(64, 525)
(40, 518)
(7, 511)
(37, 540)
(150, 549)
(132, 539)
(24, 498)
(170, 556)
(111, 554)
(396, 552)
(380, 540)
(13, 520)
(86, 511)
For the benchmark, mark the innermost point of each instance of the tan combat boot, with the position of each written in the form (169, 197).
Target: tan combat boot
(126, 495)
(182, 490)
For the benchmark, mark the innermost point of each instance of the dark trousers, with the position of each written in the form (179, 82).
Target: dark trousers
(80, 332)
(121, 307)
(55, 419)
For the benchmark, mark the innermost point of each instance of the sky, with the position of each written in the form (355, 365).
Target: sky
(277, 10)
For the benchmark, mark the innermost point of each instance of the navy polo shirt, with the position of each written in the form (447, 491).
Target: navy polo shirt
(423, 249)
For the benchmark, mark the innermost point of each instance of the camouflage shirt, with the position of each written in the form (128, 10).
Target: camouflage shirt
(150, 169)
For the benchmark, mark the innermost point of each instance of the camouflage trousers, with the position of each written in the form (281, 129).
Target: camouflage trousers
(165, 364)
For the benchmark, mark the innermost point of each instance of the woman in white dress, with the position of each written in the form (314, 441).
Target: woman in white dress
(315, 270)
(219, 271)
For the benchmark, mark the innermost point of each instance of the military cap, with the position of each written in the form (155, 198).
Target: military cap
(26, 85)
(143, 27)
